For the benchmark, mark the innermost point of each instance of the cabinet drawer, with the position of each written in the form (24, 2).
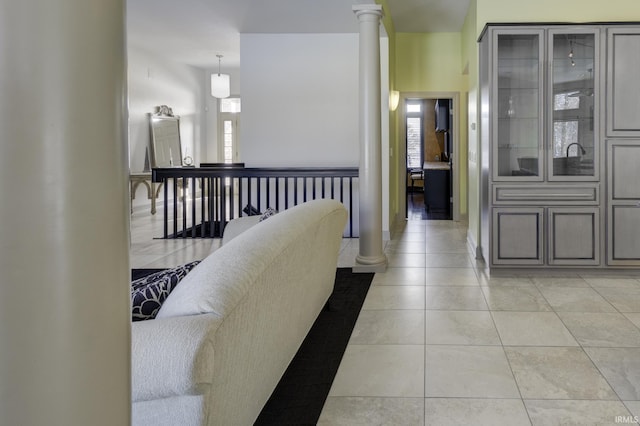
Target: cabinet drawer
(547, 194)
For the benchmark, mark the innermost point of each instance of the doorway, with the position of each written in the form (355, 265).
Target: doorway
(429, 123)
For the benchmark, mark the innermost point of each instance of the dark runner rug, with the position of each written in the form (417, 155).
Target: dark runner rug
(299, 397)
(301, 393)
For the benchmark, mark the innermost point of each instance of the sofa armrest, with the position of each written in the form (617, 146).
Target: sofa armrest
(172, 356)
(237, 226)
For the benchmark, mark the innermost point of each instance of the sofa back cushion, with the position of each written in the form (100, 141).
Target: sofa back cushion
(224, 277)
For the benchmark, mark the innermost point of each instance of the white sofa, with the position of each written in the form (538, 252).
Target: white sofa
(225, 335)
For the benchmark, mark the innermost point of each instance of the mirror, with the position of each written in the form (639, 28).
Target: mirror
(166, 149)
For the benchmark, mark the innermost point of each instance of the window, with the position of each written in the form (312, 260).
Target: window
(565, 101)
(231, 105)
(414, 124)
(228, 130)
(414, 142)
(413, 107)
(565, 133)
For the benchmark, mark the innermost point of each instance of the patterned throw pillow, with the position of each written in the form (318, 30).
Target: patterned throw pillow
(267, 214)
(149, 292)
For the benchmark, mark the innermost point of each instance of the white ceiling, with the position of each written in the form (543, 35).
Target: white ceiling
(194, 31)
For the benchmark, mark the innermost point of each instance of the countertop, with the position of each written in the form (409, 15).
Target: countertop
(436, 165)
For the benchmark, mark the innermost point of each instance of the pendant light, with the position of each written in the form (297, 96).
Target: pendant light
(220, 84)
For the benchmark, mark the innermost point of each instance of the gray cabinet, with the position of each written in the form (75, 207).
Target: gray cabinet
(518, 237)
(574, 235)
(560, 136)
(623, 199)
(541, 124)
(623, 84)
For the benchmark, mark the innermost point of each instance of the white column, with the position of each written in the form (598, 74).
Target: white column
(64, 215)
(371, 257)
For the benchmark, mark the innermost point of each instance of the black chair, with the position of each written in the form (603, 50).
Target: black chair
(416, 175)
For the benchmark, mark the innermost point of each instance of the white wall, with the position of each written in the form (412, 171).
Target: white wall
(154, 81)
(157, 81)
(300, 103)
(299, 100)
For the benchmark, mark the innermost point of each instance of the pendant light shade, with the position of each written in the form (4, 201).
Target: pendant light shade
(220, 83)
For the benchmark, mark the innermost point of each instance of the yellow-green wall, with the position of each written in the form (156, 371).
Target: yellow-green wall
(429, 62)
(470, 60)
(395, 165)
(433, 62)
(556, 11)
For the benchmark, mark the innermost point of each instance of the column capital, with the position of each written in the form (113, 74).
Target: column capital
(368, 9)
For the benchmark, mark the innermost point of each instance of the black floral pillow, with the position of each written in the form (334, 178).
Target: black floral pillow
(268, 213)
(149, 292)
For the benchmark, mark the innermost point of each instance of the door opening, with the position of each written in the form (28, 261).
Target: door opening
(428, 131)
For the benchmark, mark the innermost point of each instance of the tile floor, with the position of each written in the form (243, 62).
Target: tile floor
(440, 343)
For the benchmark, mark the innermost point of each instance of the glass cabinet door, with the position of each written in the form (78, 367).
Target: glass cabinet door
(517, 103)
(573, 97)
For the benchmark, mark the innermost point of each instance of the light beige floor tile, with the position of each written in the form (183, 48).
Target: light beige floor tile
(544, 282)
(565, 299)
(532, 329)
(634, 317)
(380, 370)
(624, 299)
(602, 329)
(468, 371)
(370, 411)
(515, 299)
(514, 281)
(455, 298)
(451, 277)
(394, 297)
(180, 257)
(400, 276)
(449, 260)
(557, 373)
(553, 273)
(447, 246)
(633, 407)
(613, 282)
(417, 235)
(461, 328)
(142, 261)
(477, 412)
(621, 367)
(162, 247)
(399, 327)
(406, 260)
(397, 247)
(347, 257)
(574, 413)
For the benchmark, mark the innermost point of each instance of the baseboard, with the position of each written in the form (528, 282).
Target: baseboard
(473, 246)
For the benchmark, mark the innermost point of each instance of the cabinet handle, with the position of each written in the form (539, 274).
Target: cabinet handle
(545, 196)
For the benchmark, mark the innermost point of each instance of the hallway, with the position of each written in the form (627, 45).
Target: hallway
(439, 343)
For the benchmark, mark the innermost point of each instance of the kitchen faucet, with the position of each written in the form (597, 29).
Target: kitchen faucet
(582, 150)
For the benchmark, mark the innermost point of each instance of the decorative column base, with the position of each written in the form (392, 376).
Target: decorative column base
(370, 264)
